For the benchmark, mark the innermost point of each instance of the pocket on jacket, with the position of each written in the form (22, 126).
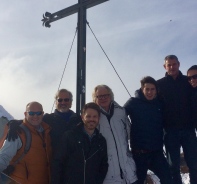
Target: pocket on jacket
(110, 172)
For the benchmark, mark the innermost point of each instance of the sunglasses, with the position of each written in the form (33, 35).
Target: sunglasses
(65, 99)
(103, 96)
(189, 78)
(31, 113)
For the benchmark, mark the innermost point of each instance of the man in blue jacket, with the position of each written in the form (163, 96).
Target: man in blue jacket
(146, 138)
(179, 128)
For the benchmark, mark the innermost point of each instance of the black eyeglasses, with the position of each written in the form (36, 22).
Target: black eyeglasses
(103, 96)
(65, 99)
(31, 113)
(189, 78)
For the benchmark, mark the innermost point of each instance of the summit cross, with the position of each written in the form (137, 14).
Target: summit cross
(79, 8)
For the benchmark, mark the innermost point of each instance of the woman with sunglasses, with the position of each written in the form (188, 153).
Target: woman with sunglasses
(192, 79)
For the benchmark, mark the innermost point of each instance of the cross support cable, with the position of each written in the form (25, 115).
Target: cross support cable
(79, 8)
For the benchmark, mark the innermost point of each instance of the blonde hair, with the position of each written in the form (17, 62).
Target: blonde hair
(102, 86)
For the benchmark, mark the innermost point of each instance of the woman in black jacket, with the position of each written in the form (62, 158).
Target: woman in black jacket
(192, 79)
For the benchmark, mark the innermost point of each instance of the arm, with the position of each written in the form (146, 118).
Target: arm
(8, 151)
(14, 129)
(59, 158)
(104, 164)
(128, 111)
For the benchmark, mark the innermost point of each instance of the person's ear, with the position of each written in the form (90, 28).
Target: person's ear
(164, 66)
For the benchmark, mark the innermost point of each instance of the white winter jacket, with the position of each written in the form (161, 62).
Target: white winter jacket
(116, 132)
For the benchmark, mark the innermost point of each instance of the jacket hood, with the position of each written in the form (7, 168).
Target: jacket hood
(139, 94)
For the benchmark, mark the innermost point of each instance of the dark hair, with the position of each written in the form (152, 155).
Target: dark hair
(148, 79)
(194, 67)
(91, 105)
(171, 57)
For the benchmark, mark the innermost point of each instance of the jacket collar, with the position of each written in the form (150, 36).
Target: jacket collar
(180, 75)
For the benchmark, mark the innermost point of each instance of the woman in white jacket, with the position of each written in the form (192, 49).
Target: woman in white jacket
(115, 127)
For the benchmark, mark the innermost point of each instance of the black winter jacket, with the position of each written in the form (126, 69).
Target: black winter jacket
(84, 162)
(59, 123)
(177, 100)
(146, 122)
(194, 106)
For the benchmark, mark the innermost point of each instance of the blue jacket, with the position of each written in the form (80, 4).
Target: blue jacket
(146, 122)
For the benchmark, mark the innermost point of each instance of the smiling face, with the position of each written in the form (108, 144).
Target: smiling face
(192, 78)
(103, 98)
(34, 113)
(63, 102)
(91, 119)
(149, 91)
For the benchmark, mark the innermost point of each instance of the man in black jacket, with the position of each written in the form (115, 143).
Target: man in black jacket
(179, 130)
(63, 118)
(83, 152)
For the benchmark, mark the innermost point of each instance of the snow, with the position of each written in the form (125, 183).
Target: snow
(4, 113)
(155, 179)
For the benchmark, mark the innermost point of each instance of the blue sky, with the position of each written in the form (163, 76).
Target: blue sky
(136, 35)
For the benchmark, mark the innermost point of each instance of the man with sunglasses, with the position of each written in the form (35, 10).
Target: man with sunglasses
(63, 118)
(34, 166)
(178, 126)
(192, 79)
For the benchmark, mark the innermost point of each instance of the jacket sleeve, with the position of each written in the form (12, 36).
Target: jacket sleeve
(75, 119)
(128, 107)
(60, 156)
(104, 164)
(8, 151)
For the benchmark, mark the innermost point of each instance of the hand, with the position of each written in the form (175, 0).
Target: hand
(14, 129)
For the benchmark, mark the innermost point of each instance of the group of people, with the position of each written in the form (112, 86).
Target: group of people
(108, 143)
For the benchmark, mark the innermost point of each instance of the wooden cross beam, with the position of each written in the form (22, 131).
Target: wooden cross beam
(79, 8)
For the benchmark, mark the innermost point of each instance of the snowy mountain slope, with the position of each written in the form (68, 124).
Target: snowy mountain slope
(4, 113)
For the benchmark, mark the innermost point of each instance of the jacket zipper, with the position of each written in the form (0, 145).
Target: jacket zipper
(121, 173)
(85, 161)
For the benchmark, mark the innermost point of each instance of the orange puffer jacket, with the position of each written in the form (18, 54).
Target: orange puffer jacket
(34, 168)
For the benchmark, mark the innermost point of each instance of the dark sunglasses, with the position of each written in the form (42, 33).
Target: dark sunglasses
(65, 100)
(189, 78)
(31, 113)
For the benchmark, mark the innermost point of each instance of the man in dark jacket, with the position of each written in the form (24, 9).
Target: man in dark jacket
(179, 130)
(146, 138)
(192, 79)
(83, 152)
(63, 118)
